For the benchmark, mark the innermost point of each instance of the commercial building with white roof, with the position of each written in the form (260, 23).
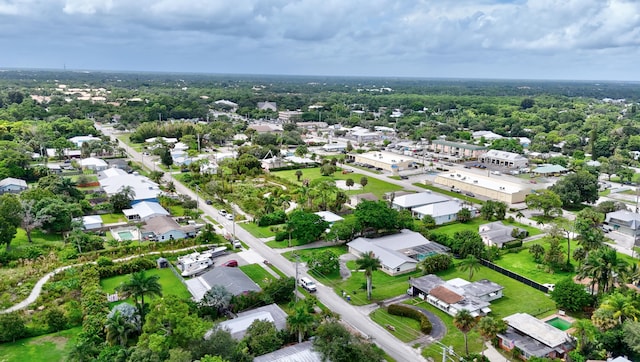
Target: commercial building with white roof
(410, 201)
(501, 188)
(443, 212)
(505, 159)
(385, 160)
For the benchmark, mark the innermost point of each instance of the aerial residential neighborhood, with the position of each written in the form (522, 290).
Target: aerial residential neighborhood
(277, 228)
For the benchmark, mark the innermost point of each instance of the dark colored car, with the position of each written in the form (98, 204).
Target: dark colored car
(404, 177)
(230, 263)
(209, 202)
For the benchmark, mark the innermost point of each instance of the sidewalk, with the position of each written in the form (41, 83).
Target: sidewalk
(493, 355)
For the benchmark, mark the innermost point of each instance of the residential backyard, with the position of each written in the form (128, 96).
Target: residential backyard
(54, 347)
(374, 186)
(170, 283)
(475, 223)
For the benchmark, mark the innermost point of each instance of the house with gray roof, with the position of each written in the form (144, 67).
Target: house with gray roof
(233, 279)
(238, 326)
(164, 228)
(504, 158)
(496, 233)
(301, 352)
(113, 180)
(12, 185)
(456, 294)
(443, 212)
(409, 201)
(624, 221)
(534, 338)
(398, 253)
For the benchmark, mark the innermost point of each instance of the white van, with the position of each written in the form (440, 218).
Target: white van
(307, 284)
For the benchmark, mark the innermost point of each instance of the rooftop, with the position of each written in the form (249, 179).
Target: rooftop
(385, 157)
(418, 199)
(458, 144)
(498, 183)
(537, 329)
(441, 209)
(238, 326)
(329, 217)
(504, 155)
(301, 352)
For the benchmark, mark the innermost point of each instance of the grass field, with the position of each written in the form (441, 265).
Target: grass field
(258, 274)
(258, 231)
(305, 254)
(53, 347)
(375, 186)
(112, 218)
(406, 329)
(171, 285)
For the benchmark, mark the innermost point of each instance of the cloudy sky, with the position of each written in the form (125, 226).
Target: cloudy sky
(522, 39)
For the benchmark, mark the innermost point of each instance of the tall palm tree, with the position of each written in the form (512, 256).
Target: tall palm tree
(603, 266)
(488, 327)
(301, 321)
(119, 329)
(585, 333)
(470, 264)
(140, 285)
(369, 263)
(465, 322)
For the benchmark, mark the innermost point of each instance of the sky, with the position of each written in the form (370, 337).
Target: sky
(495, 39)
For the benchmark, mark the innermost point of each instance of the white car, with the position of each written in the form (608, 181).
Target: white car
(223, 212)
(229, 216)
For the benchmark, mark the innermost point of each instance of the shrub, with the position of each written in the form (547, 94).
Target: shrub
(512, 244)
(282, 235)
(104, 261)
(435, 263)
(406, 311)
(273, 218)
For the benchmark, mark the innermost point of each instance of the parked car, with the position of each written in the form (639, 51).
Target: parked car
(470, 194)
(209, 202)
(230, 263)
(223, 212)
(308, 284)
(344, 172)
(229, 216)
(404, 177)
(467, 166)
(237, 244)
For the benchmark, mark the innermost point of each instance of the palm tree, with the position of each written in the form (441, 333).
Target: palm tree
(119, 329)
(489, 328)
(585, 333)
(369, 263)
(519, 215)
(470, 264)
(602, 266)
(298, 174)
(622, 306)
(301, 321)
(140, 285)
(465, 322)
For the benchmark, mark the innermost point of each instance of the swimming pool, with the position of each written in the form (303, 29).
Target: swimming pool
(125, 235)
(561, 324)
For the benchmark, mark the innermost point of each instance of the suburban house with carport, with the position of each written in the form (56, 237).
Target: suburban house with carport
(238, 326)
(144, 211)
(12, 185)
(409, 201)
(398, 253)
(165, 228)
(534, 338)
(234, 280)
(329, 217)
(546, 170)
(443, 212)
(456, 294)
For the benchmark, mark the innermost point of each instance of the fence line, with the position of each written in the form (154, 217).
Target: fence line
(514, 276)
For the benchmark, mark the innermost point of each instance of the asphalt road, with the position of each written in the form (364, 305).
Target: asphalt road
(348, 313)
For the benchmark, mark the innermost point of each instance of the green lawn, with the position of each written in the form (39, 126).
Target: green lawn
(112, 218)
(406, 329)
(375, 186)
(258, 274)
(171, 285)
(305, 254)
(258, 231)
(48, 348)
(283, 244)
(473, 225)
(40, 238)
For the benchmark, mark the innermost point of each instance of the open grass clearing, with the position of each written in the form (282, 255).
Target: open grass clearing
(112, 218)
(54, 347)
(405, 329)
(258, 274)
(170, 283)
(260, 232)
(374, 186)
(475, 223)
(305, 254)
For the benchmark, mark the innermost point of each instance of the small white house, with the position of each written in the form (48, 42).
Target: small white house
(92, 222)
(79, 140)
(93, 163)
(443, 212)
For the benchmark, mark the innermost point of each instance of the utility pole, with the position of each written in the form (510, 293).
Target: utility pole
(295, 291)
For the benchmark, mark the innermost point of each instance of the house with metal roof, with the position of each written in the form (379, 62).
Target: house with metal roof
(398, 253)
(238, 326)
(443, 212)
(12, 185)
(92, 222)
(79, 140)
(504, 158)
(93, 163)
(456, 294)
(409, 201)
(301, 352)
(549, 169)
(624, 221)
(144, 211)
(534, 338)
(329, 216)
(165, 228)
(113, 180)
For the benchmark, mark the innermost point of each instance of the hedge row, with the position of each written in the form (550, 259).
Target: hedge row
(406, 311)
(124, 268)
